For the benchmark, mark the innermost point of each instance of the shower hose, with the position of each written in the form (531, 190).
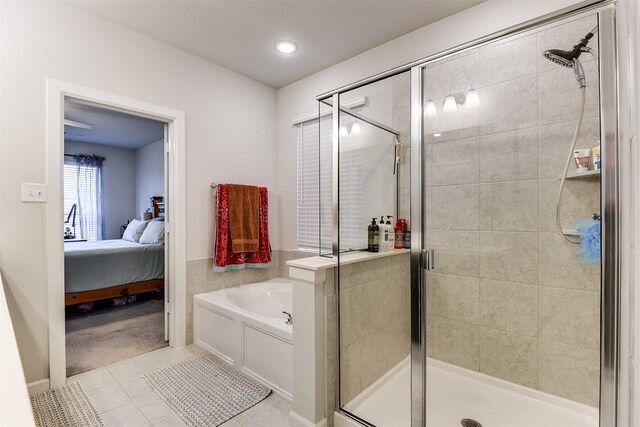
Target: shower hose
(576, 133)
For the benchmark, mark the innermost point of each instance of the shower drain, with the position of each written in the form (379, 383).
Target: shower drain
(468, 422)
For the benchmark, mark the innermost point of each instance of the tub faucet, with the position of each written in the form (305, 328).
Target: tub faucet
(289, 318)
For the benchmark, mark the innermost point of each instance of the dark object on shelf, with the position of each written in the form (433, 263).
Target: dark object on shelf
(70, 232)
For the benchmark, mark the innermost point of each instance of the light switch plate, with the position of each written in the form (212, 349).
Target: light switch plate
(34, 193)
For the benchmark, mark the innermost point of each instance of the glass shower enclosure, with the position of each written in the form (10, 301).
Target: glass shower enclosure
(499, 309)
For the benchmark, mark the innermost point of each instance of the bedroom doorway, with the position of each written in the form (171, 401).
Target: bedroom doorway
(116, 227)
(115, 194)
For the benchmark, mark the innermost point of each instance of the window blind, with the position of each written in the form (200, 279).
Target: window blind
(85, 187)
(315, 193)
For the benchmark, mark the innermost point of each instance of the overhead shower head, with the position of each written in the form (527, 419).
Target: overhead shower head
(560, 57)
(569, 58)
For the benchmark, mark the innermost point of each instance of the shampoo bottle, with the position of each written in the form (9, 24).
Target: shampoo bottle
(392, 235)
(384, 235)
(374, 237)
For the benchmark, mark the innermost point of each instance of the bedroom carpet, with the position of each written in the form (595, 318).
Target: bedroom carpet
(109, 335)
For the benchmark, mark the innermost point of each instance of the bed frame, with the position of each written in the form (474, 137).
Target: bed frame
(71, 298)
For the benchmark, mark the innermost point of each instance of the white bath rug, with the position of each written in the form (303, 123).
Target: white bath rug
(64, 406)
(205, 391)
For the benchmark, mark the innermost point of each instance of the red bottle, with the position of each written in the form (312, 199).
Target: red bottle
(399, 230)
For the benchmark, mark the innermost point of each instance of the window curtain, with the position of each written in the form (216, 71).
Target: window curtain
(90, 196)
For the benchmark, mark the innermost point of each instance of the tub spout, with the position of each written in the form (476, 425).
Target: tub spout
(289, 318)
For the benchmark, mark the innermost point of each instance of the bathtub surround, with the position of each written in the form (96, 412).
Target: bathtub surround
(201, 278)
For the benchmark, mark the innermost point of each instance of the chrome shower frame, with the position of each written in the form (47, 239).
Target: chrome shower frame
(610, 195)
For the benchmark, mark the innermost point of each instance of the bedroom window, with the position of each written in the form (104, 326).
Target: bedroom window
(83, 189)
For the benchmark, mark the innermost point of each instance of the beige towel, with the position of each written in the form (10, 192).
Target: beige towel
(244, 218)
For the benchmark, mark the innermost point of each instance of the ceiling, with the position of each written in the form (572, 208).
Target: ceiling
(110, 127)
(241, 34)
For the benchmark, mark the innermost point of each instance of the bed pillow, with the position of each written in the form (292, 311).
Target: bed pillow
(154, 233)
(134, 230)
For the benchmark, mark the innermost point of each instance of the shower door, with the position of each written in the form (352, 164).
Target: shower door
(508, 301)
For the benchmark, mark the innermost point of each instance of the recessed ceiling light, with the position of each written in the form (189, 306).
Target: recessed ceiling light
(286, 46)
(437, 134)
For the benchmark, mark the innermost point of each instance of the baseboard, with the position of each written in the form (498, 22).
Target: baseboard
(40, 386)
(296, 420)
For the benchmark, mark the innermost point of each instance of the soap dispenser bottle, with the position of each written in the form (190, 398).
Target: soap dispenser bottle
(392, 236)
(374, 236)
(384, 235)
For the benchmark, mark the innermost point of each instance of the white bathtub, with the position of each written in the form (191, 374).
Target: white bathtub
(245, 326)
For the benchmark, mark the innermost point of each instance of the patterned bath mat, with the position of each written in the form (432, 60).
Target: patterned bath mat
(205, 391)
(65, 406)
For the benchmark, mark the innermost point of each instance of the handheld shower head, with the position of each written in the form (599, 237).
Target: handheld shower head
(569, 58)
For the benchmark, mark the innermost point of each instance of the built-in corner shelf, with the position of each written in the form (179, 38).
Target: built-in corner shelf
(571, 232)
(584, 175)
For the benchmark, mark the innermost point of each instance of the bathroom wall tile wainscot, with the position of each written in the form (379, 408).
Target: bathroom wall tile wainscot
(374, 320)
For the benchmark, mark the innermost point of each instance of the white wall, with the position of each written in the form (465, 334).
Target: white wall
(230, 135)
(119, 176)
(149, 174)
(299, 98)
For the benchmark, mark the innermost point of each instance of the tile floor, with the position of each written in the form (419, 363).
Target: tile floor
(123, 398)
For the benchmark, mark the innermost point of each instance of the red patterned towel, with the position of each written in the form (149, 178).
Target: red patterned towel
(225, 258)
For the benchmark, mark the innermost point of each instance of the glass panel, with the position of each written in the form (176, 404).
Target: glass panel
(374, 294)
(510, 297)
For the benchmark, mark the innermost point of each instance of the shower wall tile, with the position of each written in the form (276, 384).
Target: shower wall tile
(360, 273)
(357, 313)
(452, 75)
(509, 206)
(509, 156)
(559, 98)
(509, 59)
(569, 371)
(511, 357)
(453, 297)
(350, 372)
(454, 342)
(580, 200)
(560, 268)
(509, 306)
(401, 121)
(508, 106)
(455, 207)
(570, 317)
(401, 93)
(555, 145)
(458, 252)
(509, 256)
(404, 210)
(455, 162)
(405, 168)
(564, 36)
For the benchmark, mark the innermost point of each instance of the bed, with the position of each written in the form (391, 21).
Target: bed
(111, 268)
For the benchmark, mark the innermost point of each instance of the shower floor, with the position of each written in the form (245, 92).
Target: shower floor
(456, 393)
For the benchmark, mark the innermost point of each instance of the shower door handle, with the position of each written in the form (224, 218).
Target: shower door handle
(428, 259)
